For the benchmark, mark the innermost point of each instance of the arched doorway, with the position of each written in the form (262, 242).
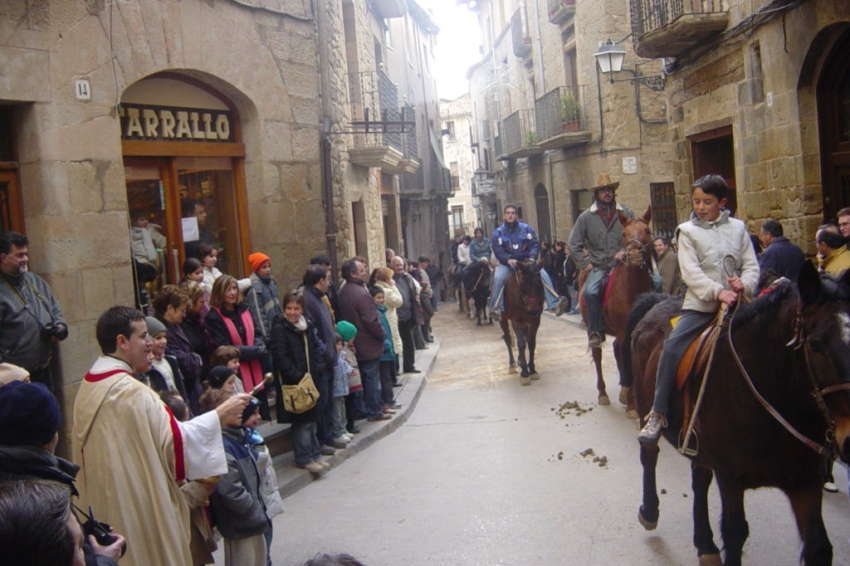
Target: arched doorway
(833, 98)
(184, 172)
(544, 226)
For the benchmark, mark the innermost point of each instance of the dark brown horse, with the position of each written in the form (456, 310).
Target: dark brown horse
(794, 348)
(630, 278)
(524, 301)
(476, 285)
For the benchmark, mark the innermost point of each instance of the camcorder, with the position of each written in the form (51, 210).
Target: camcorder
(101, 532)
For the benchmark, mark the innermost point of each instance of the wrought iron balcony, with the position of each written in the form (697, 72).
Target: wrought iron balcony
(561, 10)
(376, 119)
(560, 119)
(520, 136)
(519, 33)
(668, 28)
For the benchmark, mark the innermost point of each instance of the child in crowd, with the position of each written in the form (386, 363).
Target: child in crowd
(237, 505)
(227, 356)
(340, 389)
(164, 375)
(268, 479)
(208, 255)
(388, 358)
(193, 272)
(354, 405)
(197, 495)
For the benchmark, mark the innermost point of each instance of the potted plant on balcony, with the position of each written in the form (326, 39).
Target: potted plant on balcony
(570, 112)
(530, 138)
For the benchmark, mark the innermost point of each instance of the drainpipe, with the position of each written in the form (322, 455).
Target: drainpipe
(325, 141)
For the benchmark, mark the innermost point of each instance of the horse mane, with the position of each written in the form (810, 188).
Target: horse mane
(769, 302)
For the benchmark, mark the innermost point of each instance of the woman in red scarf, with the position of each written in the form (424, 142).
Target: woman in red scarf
(230, 324)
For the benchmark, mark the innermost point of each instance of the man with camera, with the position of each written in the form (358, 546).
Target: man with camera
(29, 426)
(30, 318)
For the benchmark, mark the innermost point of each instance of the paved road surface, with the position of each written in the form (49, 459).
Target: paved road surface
(486, 472)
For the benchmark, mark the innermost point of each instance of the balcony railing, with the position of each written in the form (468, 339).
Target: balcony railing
(560, 118)
(561, 10)
(376, 118)
(667, 28)
(520, 135)
(519, 33)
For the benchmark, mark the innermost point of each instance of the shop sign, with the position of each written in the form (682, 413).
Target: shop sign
(162, 123)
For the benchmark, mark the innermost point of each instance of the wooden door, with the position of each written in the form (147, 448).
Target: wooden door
(833, 98)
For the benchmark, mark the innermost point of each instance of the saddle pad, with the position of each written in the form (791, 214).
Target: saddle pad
(696, 356)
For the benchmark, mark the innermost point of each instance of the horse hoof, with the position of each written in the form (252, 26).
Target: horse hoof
(648, 525)
(710, 560)
(525, 381)
(512, 371)
(631, 414)
(624, 395)
(604, 400)
(535, 376)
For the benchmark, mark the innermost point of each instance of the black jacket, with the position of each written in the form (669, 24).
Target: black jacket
(290, 361)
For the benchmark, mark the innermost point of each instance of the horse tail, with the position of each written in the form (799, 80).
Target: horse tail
(642, 305)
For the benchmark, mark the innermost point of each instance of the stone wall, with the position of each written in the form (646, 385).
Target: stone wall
(763, 87)
(70, 152)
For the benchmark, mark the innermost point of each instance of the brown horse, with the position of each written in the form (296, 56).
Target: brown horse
(523, 306)
(776, 403)
(631, 277)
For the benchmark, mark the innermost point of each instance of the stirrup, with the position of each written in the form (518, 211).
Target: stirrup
(692, 449)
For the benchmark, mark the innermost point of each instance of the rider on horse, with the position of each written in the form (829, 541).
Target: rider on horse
(596, 242)
(705, 242)
(513, 242)
(479, 248)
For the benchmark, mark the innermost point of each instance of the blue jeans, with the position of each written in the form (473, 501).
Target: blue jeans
(370, 374)
(593, 300)
(690, 325)
(497, 301)
(305, 445)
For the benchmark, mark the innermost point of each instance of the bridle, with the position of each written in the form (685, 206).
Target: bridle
(800, 340)
(637, 245)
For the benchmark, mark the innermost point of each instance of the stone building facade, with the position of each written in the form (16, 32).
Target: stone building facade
(548, 123)
(759, 91)
(208, 121)
(465, 206)
(115, 111)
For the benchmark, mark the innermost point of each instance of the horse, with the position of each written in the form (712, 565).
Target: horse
(476, 284)
(456, 279)
(776, 403)
(523, 306)
(629, 278)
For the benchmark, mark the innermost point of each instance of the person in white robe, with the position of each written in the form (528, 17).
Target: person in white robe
(133, 452)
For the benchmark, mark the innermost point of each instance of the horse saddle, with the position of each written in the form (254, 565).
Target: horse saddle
(697, 354)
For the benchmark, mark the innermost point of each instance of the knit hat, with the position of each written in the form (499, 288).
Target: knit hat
(258, 260)
(253, 405)
(155, 326)
(218, 376)
(346, 330)
(29, 414)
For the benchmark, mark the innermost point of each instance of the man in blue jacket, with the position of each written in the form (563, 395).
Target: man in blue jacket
(513, 242)
(779, 254)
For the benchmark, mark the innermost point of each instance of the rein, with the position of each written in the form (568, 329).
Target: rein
(799, 341)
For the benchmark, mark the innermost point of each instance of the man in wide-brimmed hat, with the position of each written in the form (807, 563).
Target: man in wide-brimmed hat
(595, 242)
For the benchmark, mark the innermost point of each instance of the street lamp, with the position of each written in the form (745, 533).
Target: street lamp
(610, 59)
